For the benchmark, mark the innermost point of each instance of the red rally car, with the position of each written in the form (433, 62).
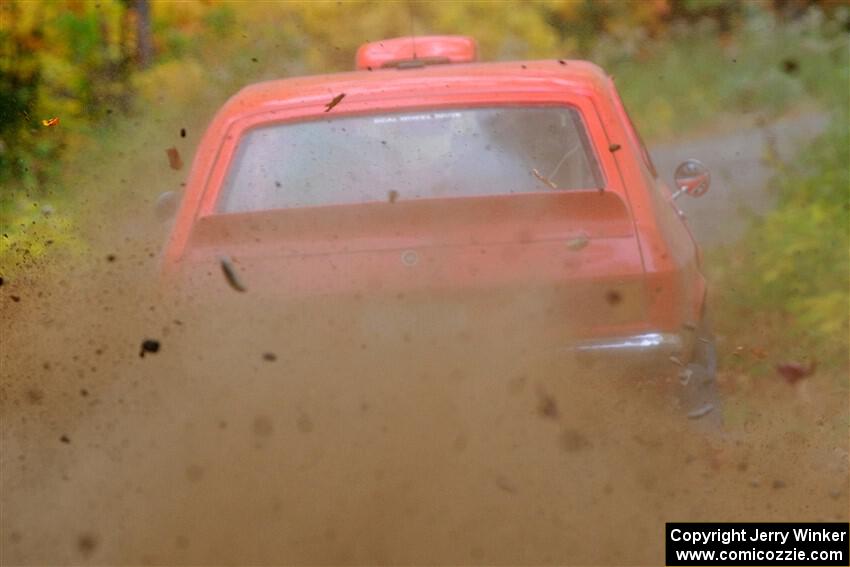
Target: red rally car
(424, 170)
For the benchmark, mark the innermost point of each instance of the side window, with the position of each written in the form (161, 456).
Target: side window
(647, 159)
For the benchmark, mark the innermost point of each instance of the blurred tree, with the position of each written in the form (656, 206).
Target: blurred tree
(144, 42)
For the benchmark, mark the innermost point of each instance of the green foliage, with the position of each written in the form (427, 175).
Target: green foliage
(793, 265)
(804, 243)
(32, 231)
(220, 20)
(695, 78)
(74, 60)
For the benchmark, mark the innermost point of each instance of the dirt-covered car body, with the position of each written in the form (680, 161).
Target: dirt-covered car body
(617, 265)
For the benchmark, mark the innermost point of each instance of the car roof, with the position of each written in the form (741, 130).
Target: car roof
(383, 85)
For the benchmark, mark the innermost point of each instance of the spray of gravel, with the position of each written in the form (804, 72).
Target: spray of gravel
(350, 432)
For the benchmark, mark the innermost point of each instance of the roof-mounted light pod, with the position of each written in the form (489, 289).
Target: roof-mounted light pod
(416, 51)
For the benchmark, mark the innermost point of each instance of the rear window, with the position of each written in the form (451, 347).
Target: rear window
(410, 155)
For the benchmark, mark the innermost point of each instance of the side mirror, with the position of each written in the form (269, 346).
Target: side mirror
(691, 177)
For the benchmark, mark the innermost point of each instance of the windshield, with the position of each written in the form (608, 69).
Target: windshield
(410, 155)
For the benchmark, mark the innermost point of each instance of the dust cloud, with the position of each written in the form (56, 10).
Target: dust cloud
(360, 430)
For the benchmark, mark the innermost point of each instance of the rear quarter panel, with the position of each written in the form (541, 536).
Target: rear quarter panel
(670, 253)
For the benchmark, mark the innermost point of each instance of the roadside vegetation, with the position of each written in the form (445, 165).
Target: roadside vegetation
(783, 290)
(128, 79)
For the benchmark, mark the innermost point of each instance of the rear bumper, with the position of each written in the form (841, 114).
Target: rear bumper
(660, 360)
(646, 344)
(655, 351)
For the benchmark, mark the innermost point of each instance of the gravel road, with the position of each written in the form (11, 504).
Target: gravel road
(741, 171)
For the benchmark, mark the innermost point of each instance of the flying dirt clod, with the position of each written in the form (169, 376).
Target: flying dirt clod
(230, 274)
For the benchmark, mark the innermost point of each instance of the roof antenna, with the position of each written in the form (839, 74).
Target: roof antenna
(412, 33)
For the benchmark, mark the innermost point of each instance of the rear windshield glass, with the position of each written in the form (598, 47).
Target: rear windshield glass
(410, 155)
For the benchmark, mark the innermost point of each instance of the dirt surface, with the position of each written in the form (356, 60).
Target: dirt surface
(742, 164)
(258, 434)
